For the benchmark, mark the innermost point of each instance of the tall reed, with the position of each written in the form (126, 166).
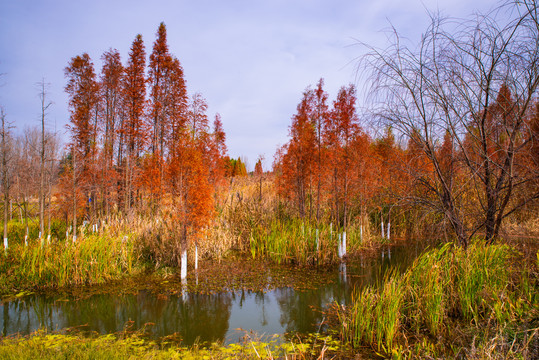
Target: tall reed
(479, 285)
(92, 259)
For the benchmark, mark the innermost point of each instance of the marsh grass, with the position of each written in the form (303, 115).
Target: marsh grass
(92, 259)
(375, 315)
(302, 242)
(265, 228)
(17, 230)
(480, 288)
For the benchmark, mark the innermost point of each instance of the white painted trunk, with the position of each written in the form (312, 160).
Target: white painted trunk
(383, 235)
(339, 249)
(5, 243)
(25, 240)
(361, 233)
(183, 271)
(49, 239)
(388, 229)
(344, 243)
(74, 238)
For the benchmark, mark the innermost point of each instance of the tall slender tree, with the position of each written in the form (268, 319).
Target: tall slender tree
(319, 115)
(341, 129)
(45, 104)
(298, 159)
(5, 169)
(133, 132)
(159, 78)
(82, 89)
(111, 96)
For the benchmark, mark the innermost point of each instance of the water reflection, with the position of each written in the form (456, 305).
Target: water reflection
(224, 317)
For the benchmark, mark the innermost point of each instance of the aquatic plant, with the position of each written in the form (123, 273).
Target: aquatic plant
(92, 259)
(479, 289)
(125, 345)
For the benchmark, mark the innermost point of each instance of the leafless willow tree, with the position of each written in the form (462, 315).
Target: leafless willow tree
(475, 80)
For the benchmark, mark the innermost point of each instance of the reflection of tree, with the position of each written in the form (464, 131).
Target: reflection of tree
(101, 313)
(297, 308)
(260, 300)
(27, 315)
(200, 316)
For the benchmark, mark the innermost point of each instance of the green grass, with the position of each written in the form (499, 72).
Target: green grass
(92, 259)
(301, 242)
(375, 314)
(480, 290)
(17, 230)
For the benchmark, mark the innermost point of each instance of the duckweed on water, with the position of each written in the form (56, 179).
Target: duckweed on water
(45, 345)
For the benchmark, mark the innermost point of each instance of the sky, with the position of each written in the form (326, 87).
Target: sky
(251, 60)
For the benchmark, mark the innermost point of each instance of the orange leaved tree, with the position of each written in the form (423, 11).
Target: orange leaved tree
(82, 89)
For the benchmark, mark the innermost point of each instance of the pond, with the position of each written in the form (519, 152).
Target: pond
(223, 316)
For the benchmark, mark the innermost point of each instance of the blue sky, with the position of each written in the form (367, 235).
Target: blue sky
(251, 60)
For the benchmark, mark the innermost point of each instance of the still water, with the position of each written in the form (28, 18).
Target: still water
(196, 317)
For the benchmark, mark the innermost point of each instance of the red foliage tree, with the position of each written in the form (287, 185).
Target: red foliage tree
(217, 152)
(82, 89)
(133, 133)
(341, 129)
(111, 97)
(319, 117)
(297, 161)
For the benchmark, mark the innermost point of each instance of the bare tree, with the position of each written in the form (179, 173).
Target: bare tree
(475, 80)
(5, 169)
(53, 144)
(45, 104)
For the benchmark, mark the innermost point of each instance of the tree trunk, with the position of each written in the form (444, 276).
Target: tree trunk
(183, 247)
(74, 195)
(5, 185)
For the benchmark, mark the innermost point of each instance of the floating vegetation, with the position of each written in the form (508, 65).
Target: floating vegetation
(77, 345)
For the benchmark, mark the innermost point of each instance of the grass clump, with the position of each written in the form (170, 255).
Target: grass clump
(302, 242)
(375, 315)
(92, 259)
(478, 295)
